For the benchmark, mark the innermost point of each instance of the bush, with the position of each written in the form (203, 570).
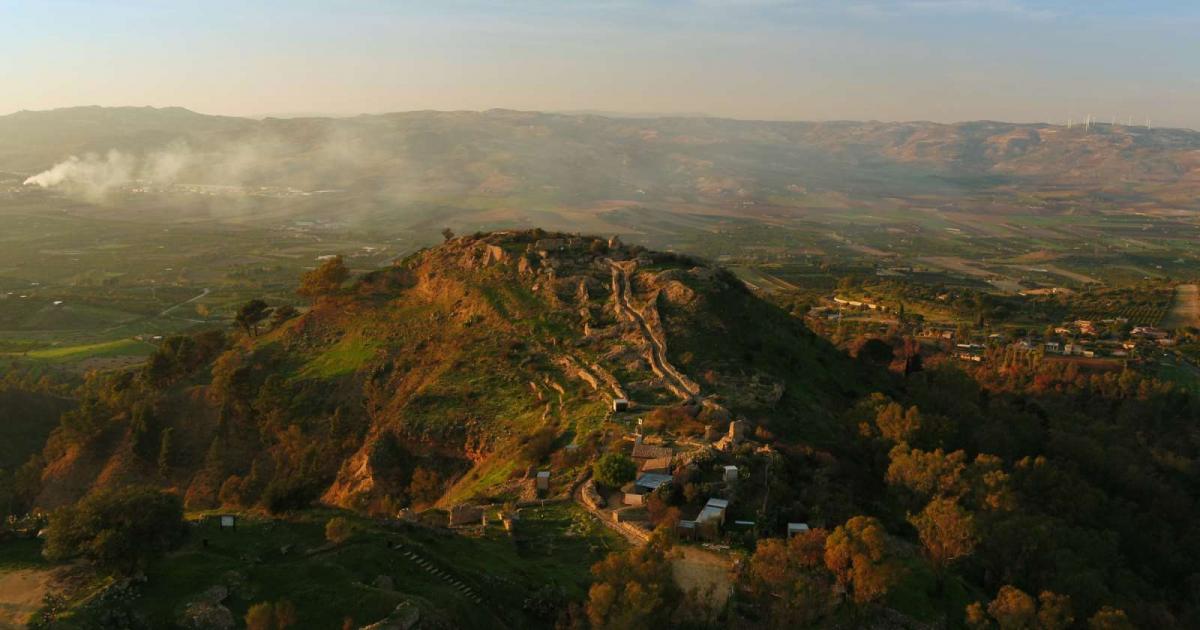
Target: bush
(119, 529)
(271, 616)
(614, 470)
(338, 530)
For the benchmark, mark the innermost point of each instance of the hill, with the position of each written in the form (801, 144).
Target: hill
(583, 159)
(451, 375)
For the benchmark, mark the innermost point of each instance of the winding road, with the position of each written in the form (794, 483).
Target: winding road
(680, 385)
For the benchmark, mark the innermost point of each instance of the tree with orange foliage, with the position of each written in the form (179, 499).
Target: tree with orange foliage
(634, 589)
(860, 555)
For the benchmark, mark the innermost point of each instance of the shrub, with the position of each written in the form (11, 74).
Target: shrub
(119, 529)
(614, 469)
(338, 530)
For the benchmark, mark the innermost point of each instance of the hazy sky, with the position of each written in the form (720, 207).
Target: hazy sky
(943, 60)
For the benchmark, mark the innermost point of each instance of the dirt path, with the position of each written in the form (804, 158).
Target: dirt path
(679, 384)
(1185, 310)
(21, 593)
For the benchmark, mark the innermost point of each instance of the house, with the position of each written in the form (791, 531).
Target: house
(796, 528)
(731, 473)
(659, 465)
(1053, 346)
(620, 404)
(1149, 332)
(543, 480)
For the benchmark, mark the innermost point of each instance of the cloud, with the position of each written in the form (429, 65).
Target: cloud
(1009, 8)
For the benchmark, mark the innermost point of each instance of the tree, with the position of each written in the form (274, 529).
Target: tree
(634, 589)
(860, 557)
(271, 616)
(281, 314)
(425, 486)
(614, 470)
(326, 279)
(338, 530)
(447, 234)
(165, 450)
(897, 425)
(876, 351)
(1013, 609)
(927, 473)
(947, 531)
(789, 579)
(1054, 611)
(1109, 618)
(251, 314)
(119, 529)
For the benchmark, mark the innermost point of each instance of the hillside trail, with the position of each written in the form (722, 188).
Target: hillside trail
(680, 385)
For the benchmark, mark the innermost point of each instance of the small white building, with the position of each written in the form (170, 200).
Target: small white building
(713, 512)
(731, 473)
(796, 528)
(620, 404)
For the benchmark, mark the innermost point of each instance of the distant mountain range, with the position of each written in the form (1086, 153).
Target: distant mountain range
(584, 158)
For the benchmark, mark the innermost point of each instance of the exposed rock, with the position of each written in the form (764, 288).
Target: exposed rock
(384, 582)
(206, 611)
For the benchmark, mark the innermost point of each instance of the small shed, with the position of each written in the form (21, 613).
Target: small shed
(686, 529)
(731, 473)
(227, 521)
(543, 480)
(620, 404)
(633, 498)
(796, 528)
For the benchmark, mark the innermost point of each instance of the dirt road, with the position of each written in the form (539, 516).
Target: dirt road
(21, 593)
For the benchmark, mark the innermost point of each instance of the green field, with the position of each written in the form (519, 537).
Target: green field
(109, 349)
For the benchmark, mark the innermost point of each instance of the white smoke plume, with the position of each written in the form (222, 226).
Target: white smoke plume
(92, 174)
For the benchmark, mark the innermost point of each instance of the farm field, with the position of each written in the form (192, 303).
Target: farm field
(1185, 309)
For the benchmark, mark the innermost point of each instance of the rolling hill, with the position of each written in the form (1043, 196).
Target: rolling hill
(581, 159)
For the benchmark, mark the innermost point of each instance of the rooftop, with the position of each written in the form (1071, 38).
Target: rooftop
(652, 481)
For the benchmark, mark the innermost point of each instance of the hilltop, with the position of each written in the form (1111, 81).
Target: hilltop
(448, 376)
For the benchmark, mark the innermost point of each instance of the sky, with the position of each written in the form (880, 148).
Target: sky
(941, 60)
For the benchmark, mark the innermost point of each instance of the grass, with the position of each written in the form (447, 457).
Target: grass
(102, 350)
(343, 358)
